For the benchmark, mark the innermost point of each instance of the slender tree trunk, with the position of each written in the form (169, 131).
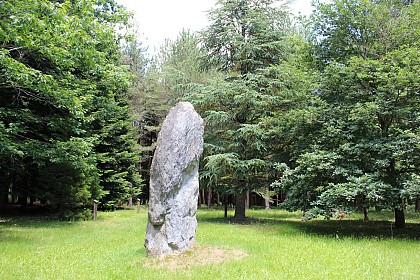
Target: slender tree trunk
(32, 200)
(225, 204)
(365, 214)
(203, 196)
(23, 201)
(15, 199)
(267, 199)
(199, 198)
(399, 218)
(240, 206)
(417, 207)
(209, 198)
(2, 203)
(218, 198)
(4, 196)
(359, 203)
(247, 200)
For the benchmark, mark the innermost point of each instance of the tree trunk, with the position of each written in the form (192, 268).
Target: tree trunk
(199, 198)
(399, 218)
(209, 198)
(15, 199)
(203, 200)
(240, 202)
(247, 200)
(4, 196)
(23, 201)
(365, 214)
(417, 207)
(359, 204)
(267, 199)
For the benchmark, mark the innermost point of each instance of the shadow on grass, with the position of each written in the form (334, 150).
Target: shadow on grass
(328, 228)
(358, 229)
(32, 217)
(31, 222)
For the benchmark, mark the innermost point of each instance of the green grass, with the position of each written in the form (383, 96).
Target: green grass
(279, 246)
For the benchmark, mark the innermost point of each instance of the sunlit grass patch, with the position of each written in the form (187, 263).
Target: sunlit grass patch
(273, 245)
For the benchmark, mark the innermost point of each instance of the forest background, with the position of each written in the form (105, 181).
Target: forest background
(321, 109)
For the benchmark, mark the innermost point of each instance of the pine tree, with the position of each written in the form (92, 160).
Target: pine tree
(243, 37)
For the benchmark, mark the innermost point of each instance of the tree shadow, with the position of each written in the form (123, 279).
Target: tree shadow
(329, 228)
(359, 229)
(31, 217)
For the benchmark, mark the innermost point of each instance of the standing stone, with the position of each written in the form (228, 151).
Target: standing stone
(174, 182)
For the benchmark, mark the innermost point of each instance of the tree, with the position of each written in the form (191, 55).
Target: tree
(159, 82)
(363, 28)
(243, 36)
(365, 151)
(59, 73)
(232, 150)
(114, 148)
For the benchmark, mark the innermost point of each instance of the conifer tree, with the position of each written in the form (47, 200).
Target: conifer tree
(244, 36)
(62, 100)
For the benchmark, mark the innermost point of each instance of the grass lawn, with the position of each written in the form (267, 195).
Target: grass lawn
(273, 245)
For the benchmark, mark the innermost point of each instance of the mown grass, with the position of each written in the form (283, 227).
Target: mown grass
(278, 246)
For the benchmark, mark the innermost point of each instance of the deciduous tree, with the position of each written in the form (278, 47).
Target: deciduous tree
(365, 149)
(62, 100)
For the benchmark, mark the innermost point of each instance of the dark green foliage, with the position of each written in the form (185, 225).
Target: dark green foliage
(245, 35)
(116, 158)
(365, 151)
(175, 71)
(363, 28)
(59, 76)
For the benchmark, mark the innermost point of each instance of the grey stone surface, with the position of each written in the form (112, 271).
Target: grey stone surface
(174, 182)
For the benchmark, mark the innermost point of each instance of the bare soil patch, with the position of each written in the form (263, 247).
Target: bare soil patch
(198, 255)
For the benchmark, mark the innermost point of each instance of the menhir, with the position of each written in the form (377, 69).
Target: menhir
(174, 182)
